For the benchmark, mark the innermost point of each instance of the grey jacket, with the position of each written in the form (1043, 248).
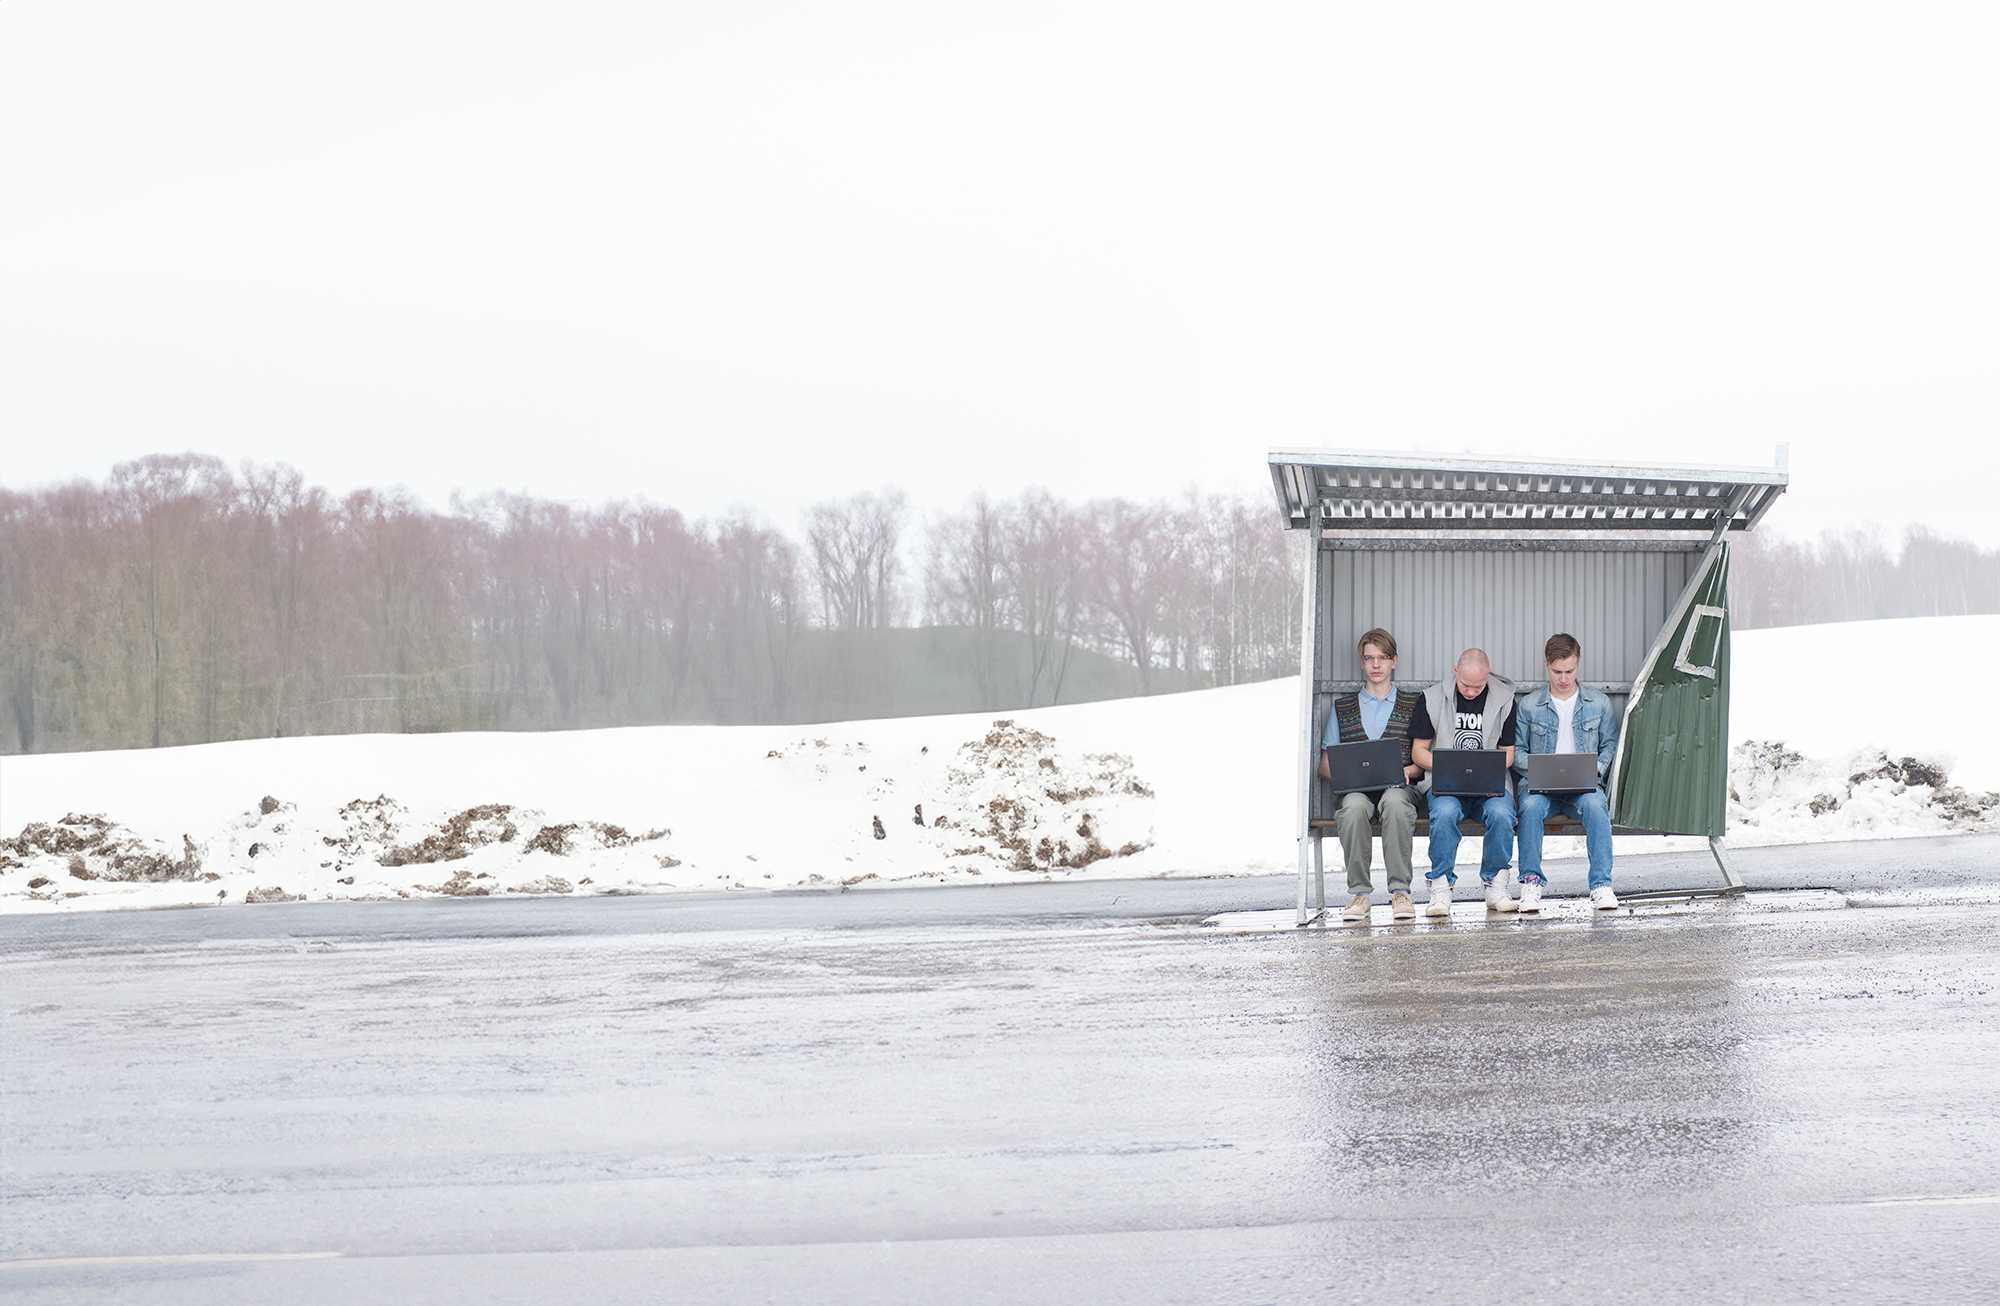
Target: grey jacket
(1441, 701)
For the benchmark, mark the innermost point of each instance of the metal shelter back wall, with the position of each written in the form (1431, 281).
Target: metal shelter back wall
(1437, 601)
(1438, 597)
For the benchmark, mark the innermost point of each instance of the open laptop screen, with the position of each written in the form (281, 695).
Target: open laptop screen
(1365, 768)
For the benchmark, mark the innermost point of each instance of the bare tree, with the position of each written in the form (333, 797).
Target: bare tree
(168, 495)
(22, 550)
(1133, 556)
(758, 620)
(676, 584)
(965, 585)
(289, 531)
(1042, 565)
(855, 546)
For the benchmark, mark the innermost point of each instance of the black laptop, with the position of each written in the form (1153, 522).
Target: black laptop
(1469, 772)
(1562, 773)
(1365, 768)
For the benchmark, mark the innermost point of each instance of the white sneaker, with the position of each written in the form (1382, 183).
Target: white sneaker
(1531, 899)
(1440, 903)
(1497, 897)
(1603, 899)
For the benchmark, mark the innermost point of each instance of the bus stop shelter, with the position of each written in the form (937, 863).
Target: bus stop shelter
(1450, 552)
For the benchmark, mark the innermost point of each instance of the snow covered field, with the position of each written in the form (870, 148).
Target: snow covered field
(1186, 784)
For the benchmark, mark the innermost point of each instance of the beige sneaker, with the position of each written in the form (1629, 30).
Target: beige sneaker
(1401, 908)
(1357, 908)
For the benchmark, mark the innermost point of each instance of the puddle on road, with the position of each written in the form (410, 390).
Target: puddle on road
(1472, 914)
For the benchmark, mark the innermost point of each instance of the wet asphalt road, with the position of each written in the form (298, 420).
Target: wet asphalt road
(1046, 1093)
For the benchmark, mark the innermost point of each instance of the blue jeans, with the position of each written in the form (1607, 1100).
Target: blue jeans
(1589, 809)
(1446, 812)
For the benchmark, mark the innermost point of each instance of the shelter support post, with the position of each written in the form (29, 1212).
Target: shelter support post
(1732, 883)
(1309, 851)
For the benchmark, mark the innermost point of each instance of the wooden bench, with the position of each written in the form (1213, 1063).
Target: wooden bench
(1554, 825)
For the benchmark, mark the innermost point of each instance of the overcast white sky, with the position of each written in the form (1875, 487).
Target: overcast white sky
(718, 253)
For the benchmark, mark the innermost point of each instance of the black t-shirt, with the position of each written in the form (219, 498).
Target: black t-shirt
(1467, 725)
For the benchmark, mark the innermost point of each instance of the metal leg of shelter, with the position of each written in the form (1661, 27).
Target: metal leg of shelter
(1314, 560)
(1305, 870)
(1312, 879)
(1732, 883)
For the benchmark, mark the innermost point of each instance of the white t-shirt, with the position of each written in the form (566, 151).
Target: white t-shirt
(1566, 723)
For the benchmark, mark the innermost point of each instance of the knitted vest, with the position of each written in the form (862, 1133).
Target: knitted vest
(1347, 711)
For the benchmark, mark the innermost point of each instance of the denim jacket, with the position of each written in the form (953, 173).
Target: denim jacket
(1596, 726)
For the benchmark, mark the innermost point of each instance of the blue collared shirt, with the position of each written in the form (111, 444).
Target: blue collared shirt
(1374, 716)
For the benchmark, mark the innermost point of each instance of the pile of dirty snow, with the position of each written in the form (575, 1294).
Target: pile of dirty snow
(1777, 795)
(626, 811)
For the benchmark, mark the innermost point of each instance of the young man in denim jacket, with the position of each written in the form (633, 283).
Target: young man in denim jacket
(1563, 717)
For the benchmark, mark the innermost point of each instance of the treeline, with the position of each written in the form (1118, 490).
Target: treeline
(1852, 575)
(182, 601)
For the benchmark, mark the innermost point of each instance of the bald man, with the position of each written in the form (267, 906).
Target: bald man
(1473, 708)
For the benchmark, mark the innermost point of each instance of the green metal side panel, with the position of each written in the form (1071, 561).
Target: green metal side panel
(1672, 771)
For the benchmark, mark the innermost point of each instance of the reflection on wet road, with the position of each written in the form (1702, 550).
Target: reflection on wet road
(1770, 1100)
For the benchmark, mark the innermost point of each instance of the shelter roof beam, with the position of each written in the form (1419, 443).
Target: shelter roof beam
(1374, 491)
(1334, 494)
(1692, 524)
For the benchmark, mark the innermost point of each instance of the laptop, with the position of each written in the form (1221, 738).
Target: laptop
(1562, 773)
(1469, 772)
(1365, 768)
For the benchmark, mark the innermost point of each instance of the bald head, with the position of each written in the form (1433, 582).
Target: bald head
(1472, 670)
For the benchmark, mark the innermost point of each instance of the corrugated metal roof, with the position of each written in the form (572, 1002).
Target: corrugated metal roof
(1429, 494)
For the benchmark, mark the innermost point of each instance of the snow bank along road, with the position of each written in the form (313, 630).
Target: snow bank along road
(1183, 784)
(1066, 1092)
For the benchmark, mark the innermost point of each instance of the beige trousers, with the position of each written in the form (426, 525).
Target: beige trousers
(1397, 809)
